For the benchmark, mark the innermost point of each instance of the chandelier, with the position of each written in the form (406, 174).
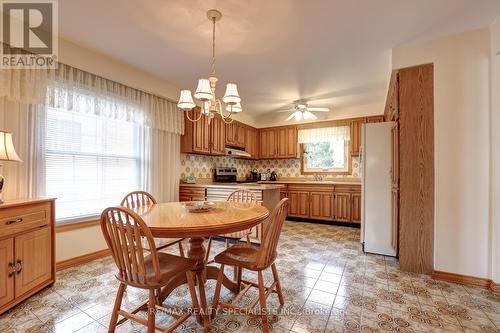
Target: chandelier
(205, 91)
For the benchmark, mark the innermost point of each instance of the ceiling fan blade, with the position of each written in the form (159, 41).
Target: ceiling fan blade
(287, 110)
(318, 109)
(290, 116)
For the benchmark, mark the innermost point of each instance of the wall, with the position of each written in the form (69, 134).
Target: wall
(461, 132)
(495, 149)
(203, 166)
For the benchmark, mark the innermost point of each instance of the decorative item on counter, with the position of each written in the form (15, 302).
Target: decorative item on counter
(189, 180)
(274, 176)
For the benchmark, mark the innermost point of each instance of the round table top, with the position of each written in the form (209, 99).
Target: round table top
(173, 220)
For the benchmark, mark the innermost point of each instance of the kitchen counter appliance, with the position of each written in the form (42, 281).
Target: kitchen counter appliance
(225, 175)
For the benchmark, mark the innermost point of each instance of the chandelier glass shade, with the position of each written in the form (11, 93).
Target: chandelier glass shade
(205, 91)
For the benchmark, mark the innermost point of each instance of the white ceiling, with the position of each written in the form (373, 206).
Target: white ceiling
(335, 52)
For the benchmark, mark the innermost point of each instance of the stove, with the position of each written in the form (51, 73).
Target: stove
(225, 175)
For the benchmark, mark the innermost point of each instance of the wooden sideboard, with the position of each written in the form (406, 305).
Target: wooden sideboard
(27, 249)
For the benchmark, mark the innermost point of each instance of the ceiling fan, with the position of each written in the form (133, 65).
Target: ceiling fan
(301, 110)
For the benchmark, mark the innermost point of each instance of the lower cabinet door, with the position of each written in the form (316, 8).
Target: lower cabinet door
(33, 259)
(6, 271)
(321, 206)
(343, 207)
(356, 207)
(299, 204)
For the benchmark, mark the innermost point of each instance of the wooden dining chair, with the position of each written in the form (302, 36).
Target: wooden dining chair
(235, 237)
(138, 199)
(256, 259)
(123, 231)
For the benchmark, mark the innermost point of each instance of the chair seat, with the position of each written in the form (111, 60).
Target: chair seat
(244, 256)
(236, 235)
(170, 266)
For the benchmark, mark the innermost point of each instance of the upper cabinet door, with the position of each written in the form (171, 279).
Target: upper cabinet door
(33, 259)
(282, 142)
(267, 143)
(251, 142)
(287, 142)
(356, 135)
(217, 136)
(240, 135)
(273, 144)
(6, 271)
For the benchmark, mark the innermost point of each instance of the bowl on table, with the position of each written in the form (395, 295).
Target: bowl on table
(198, 206)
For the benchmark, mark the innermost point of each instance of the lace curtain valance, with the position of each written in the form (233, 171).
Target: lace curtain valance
(313, 135)
(69, 88)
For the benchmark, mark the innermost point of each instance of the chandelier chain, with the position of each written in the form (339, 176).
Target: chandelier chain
(213, 47)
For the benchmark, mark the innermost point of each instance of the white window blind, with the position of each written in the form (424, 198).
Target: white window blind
(91, 162)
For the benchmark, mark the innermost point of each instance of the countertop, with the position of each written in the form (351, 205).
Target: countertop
(253, 186)
(314, 182)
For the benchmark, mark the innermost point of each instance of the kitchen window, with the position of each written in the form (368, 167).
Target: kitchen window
(91, 162)
(325, 150)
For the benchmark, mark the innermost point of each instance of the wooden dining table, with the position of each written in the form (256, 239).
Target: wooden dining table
(173, 220)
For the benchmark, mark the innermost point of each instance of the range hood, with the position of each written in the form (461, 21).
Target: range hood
(236, 152)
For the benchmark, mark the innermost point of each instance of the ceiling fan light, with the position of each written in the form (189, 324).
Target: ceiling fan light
(298, 116)
(236, 108)
(203, 91)
(231, 96)
(185, 100)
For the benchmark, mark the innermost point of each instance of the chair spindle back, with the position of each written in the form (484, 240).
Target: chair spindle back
(271, 232)
(242, 196)
(138, 199)
(124, 231)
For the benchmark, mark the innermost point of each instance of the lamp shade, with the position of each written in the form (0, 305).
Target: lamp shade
(7, 151)
(231, 97)
(185, 100)
(203, 91)
(236, 108)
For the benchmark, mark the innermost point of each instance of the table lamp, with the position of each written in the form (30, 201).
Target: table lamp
(7, 153)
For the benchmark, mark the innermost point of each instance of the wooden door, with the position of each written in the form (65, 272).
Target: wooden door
(299, 204)
(395, 220)
(33, 259)
(321, 206)
(6, 271)
(356, 135)
(356, 207)
(201, 134)
(343, 207)
(217, 136)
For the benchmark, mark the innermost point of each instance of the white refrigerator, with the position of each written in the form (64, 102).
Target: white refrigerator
(376, 163)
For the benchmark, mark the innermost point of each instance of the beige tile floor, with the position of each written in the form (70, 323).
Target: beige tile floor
(330, 285)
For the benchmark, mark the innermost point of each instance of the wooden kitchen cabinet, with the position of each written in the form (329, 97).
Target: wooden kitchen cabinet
(356, 207)
(356, 136)
(375, 119)
(287, 142)
(267, 143)
(196, 138)
(299, 204)
(6, 271)
(187, 193)
(27, 249)
(235, 134)
(342, 206)
(217, 136)
(395, 220)
(252, 142)
(321, 206)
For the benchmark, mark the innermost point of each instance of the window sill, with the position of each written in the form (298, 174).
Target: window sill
(77, 223)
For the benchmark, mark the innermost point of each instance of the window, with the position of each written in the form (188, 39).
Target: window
(325, 150)
(91, 162)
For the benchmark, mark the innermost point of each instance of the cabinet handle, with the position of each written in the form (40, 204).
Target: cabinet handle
(12, 269)
(19, 220)
(19, 266)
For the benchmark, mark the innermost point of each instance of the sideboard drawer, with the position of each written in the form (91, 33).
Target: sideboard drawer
(18, 219)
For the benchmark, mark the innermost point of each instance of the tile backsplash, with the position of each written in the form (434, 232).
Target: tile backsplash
(202, 166)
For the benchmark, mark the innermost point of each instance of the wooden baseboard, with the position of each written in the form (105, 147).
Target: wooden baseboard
(82, 259)
(467, 280)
